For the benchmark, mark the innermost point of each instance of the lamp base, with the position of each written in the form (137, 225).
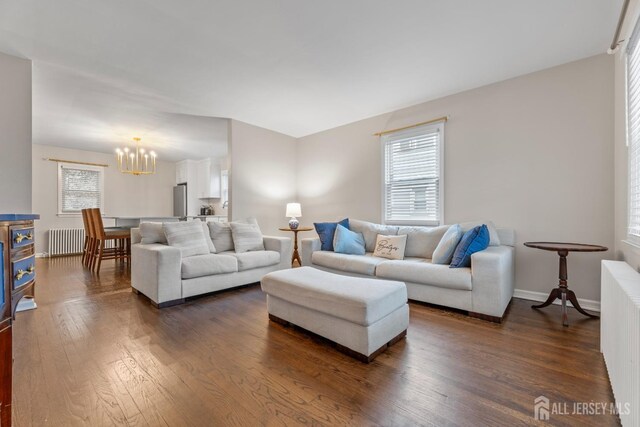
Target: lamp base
(294, 223)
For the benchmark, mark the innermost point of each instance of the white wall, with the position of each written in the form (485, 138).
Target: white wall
(15, 134)
(262, 175)
(125, 195)
(534, 153)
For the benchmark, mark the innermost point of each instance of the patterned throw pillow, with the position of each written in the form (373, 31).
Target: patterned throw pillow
(152, 232)
(246, 237)
(391, 247)
(188, 237)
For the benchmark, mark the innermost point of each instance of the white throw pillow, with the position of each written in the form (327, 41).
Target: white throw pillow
(221, 235)
(494, 240)
(447, 246)
(246, 237)
(188, 237)
(391, 247)
(207, 237)
(152, 232)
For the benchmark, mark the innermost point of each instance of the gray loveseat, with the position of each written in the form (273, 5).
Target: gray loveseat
(159, 272)
(484, 290)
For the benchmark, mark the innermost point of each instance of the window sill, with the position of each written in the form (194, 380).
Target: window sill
(69, 215)
(634, 246)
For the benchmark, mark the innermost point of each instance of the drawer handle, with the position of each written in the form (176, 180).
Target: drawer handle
(21, 273)
(20, 237)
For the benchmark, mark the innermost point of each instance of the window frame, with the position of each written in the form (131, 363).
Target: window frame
(61, 166)
(633, 43)
(440, 126)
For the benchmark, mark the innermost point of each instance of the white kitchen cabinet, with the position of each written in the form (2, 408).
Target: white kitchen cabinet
(182, 171)
(208, 181)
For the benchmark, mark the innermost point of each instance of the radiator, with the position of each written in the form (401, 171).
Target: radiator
(620, 336)
(68, 241)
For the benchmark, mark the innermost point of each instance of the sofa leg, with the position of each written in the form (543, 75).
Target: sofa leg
(169, 303)
(494, 319)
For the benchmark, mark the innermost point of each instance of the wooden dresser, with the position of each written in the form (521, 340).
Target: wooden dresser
(17, 279)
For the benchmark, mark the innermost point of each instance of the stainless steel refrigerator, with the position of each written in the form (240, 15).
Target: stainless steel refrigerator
(180, 200)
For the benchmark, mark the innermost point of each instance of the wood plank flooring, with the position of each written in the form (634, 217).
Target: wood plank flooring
(94, 354)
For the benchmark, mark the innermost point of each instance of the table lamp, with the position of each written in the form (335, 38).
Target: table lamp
(293, 210)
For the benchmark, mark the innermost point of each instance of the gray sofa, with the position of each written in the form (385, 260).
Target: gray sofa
(159, 272)
(484, 290)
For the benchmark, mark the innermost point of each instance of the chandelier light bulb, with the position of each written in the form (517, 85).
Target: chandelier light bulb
(135, 161)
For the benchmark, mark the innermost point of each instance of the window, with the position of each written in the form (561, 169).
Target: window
(633, 135)
(79, 187)
(413, 184)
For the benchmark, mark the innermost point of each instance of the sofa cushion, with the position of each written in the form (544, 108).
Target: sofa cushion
(152, 232)
(186, 236)
(246, 237)
(348, 242)
(357, 300)
(424, 272)
(359, 264)
(257, 259)
(422, 241)
(370, 231)
(207, 265)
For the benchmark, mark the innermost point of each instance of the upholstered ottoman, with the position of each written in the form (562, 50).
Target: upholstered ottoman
(362, 316)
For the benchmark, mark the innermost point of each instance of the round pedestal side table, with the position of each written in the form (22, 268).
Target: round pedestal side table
(296, 255)
(563, 292)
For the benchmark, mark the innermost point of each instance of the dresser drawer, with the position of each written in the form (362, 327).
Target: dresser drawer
(23, 271)
(21, 237)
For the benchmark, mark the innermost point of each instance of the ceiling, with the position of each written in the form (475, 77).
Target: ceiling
(105, 71)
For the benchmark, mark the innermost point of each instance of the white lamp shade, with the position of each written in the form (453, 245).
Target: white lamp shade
(294, 210)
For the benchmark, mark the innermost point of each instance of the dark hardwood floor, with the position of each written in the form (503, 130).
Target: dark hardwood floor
(94, 354)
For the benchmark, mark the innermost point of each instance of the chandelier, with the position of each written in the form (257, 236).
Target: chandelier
(136, 161)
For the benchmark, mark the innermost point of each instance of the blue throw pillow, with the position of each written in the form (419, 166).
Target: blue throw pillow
(348, 242)
(326, 231)
(474, 240)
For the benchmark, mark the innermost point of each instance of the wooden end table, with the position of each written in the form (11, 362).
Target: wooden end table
(296, 255)
(562, 291)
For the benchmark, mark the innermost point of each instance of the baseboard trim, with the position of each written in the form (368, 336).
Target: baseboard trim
(587, 304)
(42, 255)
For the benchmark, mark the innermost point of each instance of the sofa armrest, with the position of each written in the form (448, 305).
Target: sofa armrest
(282, 245)
(309, 246)
(156, 271)
(493, 279)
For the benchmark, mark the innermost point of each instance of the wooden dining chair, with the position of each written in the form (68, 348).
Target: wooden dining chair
(99, 251)
(85, 246)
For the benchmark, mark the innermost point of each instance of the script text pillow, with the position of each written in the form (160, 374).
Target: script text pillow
(447, 246)
(326, 232)
(186, 236)
(246, 237)
(391, 247)
(474, 240)
(152, 232)
(348, 242)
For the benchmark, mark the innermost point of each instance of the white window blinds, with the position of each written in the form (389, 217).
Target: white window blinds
(633, 134)
(413, 175)
(79, 187)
